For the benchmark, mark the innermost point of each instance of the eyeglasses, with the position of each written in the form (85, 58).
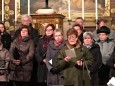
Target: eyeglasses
(72, 37)
(49, 30)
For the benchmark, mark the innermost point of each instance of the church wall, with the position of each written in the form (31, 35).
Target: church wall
(89, 21)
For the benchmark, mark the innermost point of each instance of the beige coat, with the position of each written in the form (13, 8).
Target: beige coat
(4, 60)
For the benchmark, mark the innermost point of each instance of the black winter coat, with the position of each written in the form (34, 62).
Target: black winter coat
(6, 40)
(95, 51)
(40, 54)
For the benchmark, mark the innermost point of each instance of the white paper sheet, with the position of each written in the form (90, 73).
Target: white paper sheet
(111, 82)
(70, 53)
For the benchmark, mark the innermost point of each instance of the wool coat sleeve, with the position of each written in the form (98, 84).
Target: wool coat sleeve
(38, 56)
(11, 50)
(111, 61)
(98, 61)
(109, 53)
(88, 57)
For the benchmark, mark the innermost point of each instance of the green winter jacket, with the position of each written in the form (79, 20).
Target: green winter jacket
(74, 74)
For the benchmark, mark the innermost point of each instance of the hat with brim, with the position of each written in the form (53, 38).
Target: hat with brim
(104, 29)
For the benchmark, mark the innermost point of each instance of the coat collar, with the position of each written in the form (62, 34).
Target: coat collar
(24, 39)
(107, 40)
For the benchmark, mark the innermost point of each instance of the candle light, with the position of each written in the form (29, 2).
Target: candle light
(2, 10)
(96, 9)
(56, 26)
(96, 12)
(69, 16)
(15, 10)
(83, 9)
(28, 7)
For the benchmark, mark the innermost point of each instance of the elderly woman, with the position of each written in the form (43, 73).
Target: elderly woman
(22, 51)
(95, 51)
(53, 49)
(75, 73)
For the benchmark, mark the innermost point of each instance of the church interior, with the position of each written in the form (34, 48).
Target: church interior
(62, 13)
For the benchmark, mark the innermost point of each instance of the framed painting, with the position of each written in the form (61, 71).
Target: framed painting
(61, 7)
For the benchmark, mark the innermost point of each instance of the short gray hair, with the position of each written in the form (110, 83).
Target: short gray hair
(88, 33)
(58, 30)
(26, 15)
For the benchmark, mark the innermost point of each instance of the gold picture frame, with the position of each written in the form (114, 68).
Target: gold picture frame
(104, 13)
(63, 9)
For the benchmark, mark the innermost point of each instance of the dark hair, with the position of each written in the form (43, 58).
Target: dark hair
(75, 25)
(72, 31)
(52, 25)
(4, 26)
(79, 18)
(101, 20)
(23, 27)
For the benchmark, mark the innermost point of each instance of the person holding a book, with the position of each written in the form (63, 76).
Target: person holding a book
(75, 67)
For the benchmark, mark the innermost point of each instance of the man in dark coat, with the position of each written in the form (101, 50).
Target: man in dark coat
(26, 20)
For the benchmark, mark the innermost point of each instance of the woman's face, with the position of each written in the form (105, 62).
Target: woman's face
(72, 39)
(78, 29)
(58, 37)
(1, 28)
(103, 36)
(49, 31)
(88, 40)
(24, 32)
(102, 23)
